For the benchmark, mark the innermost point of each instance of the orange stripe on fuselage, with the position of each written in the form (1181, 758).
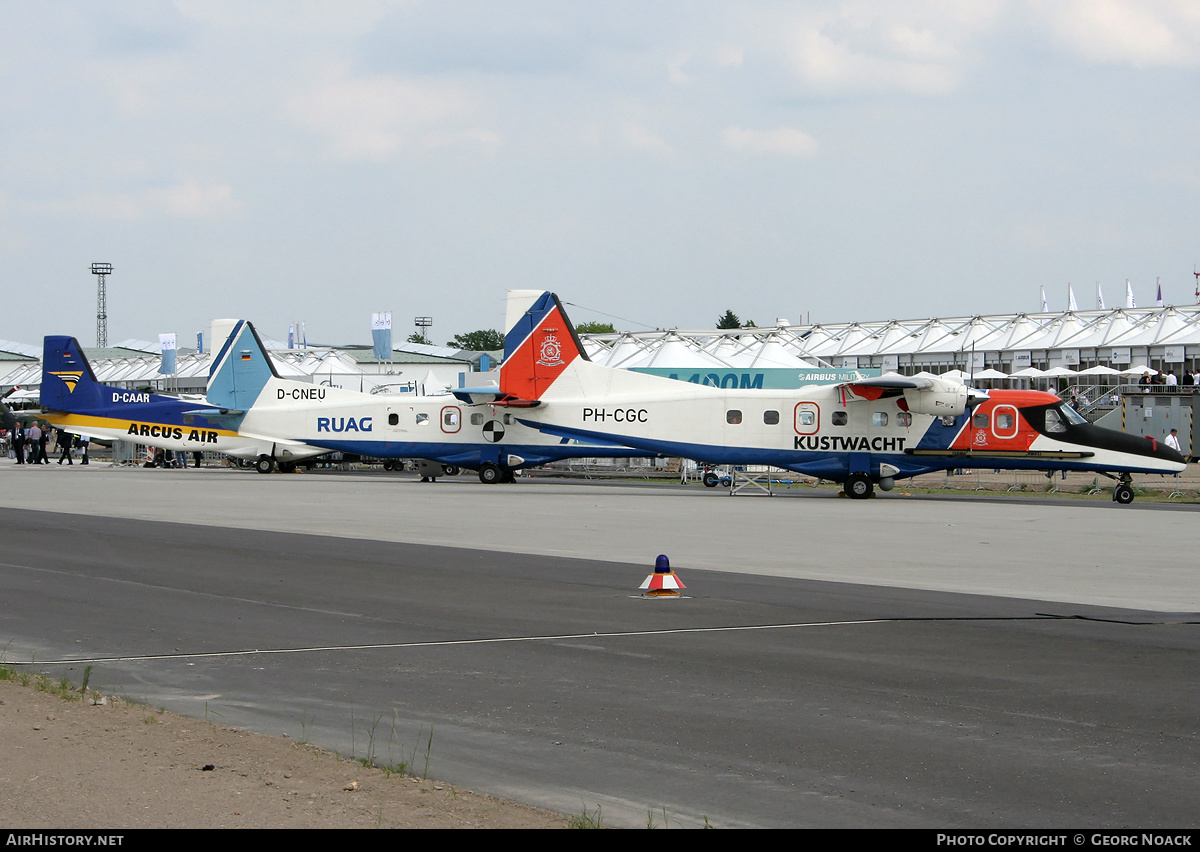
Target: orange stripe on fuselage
(1017, 437)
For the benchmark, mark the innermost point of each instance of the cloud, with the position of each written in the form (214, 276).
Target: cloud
(911, 64)
(785, 140)
(192, 200)
(1141, 33)
(374, 117)
(188, 199)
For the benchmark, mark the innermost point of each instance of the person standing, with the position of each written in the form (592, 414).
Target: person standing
(34, 436)
(63, 441)
(82, 442)
(43, 457)
(18, 442)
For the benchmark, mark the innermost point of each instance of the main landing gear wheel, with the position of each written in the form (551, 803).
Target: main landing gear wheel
(265, 464)
(859, 486)
(1123, 494)
(490, 474)
(287, 467)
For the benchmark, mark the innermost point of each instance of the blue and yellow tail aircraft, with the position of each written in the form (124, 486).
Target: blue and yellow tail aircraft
(74, 400)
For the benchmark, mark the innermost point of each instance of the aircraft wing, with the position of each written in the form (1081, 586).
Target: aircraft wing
(923, 394)
(581, 436)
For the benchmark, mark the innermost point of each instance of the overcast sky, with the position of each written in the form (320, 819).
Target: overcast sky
(658, 162)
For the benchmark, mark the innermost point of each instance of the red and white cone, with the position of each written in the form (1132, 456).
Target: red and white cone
(663, 582)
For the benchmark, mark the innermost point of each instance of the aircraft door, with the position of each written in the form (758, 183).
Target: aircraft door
(1009, 431)
(808, 418)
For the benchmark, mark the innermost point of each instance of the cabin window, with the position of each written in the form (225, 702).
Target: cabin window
(839, 418)
(879, 418)
(1004, 421)
(771, 418)
(451, 419)
(508, 419)
(903, 419)
(393, 419)
(950, 421)
(476, 419)
(733, 416)
(979, 420)
(1054, 421)
(422, 419)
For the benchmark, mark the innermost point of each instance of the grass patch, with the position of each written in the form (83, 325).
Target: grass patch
(586, 819)
(62, 687)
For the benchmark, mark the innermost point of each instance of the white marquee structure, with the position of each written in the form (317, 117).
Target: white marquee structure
(1160, 337)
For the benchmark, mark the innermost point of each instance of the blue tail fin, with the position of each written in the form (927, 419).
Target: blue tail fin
(240, 370)
(68, 383)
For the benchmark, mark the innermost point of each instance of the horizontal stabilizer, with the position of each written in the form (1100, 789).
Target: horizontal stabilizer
(490, 396)
(215, 414)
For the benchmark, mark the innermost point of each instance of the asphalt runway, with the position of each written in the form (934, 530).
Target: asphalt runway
(894, 662)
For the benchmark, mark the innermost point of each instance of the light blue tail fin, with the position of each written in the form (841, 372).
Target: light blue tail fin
(240, 370)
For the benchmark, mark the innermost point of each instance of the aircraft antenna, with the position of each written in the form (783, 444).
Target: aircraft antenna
(610, 316)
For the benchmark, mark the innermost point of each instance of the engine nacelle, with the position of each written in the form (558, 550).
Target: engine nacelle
(941, 399)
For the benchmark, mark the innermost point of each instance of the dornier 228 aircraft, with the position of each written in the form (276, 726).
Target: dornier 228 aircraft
(862, 434)
(248, 394)
(75, 401)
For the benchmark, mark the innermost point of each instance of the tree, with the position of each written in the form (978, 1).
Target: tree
(419, 337)
(484, 340)
(730, 320)
(595, 328)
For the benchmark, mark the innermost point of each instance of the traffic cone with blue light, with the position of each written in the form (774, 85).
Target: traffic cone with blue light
(662, 583)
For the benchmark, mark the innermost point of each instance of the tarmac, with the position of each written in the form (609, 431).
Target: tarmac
(909, 661)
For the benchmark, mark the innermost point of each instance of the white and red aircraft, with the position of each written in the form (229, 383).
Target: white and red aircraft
(862, 433)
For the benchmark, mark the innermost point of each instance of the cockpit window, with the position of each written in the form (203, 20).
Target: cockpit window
(1054, 421)
(1073, 416)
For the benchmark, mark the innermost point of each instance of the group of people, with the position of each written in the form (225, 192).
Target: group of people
(1170, 380)
(29, 445)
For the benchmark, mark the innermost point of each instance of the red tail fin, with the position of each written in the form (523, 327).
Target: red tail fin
(539, 345)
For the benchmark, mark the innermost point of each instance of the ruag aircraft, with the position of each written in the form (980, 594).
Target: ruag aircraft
(861, 433)
(247, 394)
(74, 400)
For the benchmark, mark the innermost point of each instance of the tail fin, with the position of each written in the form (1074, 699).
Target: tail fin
(241, 368)
(539, 344)
(68, 383)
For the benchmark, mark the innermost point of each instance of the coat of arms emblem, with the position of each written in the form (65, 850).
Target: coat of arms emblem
(551, 352)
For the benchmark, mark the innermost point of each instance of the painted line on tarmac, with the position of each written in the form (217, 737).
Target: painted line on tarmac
(446, 643)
